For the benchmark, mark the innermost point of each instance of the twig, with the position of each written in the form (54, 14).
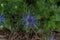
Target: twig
(34, 31)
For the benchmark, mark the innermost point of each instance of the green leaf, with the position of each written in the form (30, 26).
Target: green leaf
(1, 27)
(7, 24)
(57, 17)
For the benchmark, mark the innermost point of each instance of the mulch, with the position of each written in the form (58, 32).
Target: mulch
(7, 35)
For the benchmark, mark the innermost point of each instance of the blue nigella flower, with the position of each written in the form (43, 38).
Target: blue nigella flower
(1, 17)
(51, 38)
(29, 20)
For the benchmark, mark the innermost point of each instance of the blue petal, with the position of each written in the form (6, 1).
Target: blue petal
(26, 22)
(26, 16)
(31, 17)
(1, 17)
(33, 23)
(51, 38)
(0, 22)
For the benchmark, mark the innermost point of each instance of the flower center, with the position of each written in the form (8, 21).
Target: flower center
(29, 20)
